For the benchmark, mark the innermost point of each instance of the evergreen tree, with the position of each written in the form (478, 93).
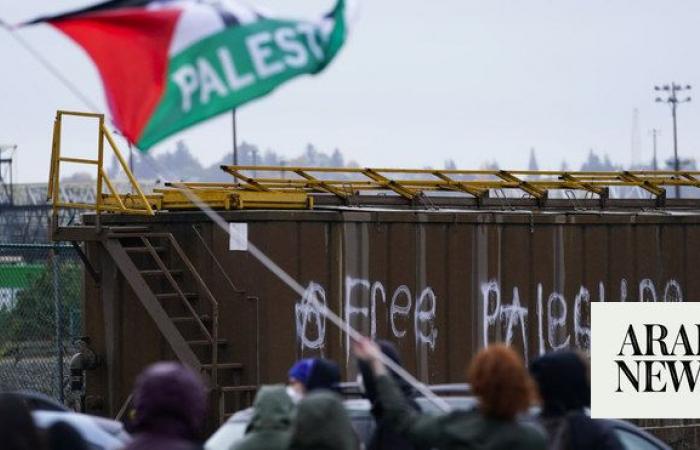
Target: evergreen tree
(337, 159)
(532, 164)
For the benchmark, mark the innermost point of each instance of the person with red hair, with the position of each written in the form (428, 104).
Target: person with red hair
(502, 386)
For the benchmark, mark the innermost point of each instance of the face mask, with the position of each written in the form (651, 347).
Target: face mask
(361, 384)
(293, 394)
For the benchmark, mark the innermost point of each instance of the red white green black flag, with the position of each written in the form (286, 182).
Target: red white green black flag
(169, 64)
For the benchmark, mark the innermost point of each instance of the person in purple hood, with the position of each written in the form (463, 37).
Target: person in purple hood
(170, 408)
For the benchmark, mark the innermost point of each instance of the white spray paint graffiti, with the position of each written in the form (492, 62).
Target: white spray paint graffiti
(582, 334)
(399, 310)
(623, 290)
(311, 325)
(672, 292)
(647, 291)
(488, 290)
(368, 312)
(553, 314)
(306, 313)
(514, 314)
(556, 320)
(539, 320)
(501, 320)
(425, 314)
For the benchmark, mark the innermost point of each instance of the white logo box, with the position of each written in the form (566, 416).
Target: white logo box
(614, 394)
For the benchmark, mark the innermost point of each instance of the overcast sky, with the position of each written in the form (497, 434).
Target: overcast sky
(419, 82)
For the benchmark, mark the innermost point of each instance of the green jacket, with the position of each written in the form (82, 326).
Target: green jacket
(456, 430)
(323, 424)
(270, 427)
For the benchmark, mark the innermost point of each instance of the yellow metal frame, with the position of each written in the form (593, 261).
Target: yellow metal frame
(292, 187)
(117, 202)
(410, 183)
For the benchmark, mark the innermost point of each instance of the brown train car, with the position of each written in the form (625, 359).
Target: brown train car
(439, 283)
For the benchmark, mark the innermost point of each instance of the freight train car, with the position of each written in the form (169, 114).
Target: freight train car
(441, 283)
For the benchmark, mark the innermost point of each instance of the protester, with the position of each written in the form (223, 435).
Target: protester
(309, 374)
(297, 378)
(383, 437)
(61, 436)
(270, 427)
(565, 390)
(170, 407)
(323, 424)
(502, 386)
(17, 429)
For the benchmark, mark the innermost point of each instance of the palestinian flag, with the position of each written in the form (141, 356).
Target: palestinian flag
(169, 64)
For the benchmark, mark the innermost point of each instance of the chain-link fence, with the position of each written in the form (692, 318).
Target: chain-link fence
(39, 316)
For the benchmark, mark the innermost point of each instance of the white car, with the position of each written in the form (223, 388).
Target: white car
(631, 437)
(99, 433)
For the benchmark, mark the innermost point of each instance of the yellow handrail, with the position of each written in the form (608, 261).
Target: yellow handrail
(411, 182)
(54, 190)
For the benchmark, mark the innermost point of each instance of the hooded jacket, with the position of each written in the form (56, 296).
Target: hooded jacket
(563, 383)
(323, 424)
(270, 427)
(170, 407)
(457, 430)
(384, 438)
(324, 374)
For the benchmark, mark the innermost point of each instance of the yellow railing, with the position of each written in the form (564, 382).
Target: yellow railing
(410, 183)
(118, 204)
(275, 187)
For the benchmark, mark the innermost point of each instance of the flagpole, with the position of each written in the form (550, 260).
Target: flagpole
(131, 161)
(235, 139)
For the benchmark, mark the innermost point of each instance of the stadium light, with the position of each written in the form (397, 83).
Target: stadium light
(673, 100)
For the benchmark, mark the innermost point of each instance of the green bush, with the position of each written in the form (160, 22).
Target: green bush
(32, 317)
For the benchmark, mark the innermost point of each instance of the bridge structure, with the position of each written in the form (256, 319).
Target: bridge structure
(26, 209)
(23, 216)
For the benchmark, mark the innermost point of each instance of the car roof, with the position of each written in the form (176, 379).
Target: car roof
(361, 407)
(354, 389)
(89, 429)
(632, 428)
(357, 406)
(37, 401)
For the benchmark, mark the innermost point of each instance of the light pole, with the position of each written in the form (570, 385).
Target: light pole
(672, 99)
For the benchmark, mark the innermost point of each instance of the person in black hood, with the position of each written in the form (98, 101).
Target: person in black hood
(562, 379)
(384, 437)
(325, 374)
